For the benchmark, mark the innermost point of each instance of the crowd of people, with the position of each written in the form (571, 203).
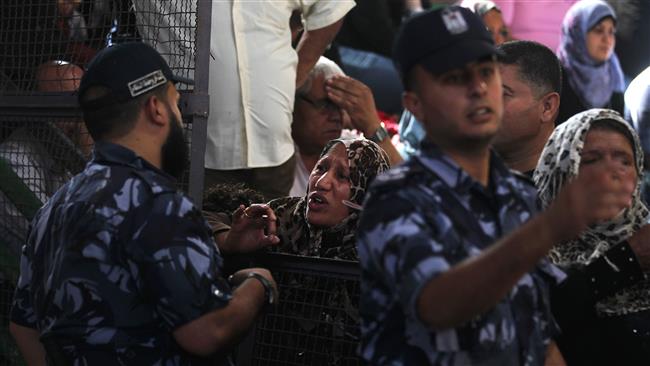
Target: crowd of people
(481, 161)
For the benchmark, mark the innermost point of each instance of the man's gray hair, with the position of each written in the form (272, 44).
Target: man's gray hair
(324, 66)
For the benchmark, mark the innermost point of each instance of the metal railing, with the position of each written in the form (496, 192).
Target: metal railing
(316, 321)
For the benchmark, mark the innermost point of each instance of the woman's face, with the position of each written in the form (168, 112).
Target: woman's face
(495, 24)
(329, 185)
(601, 40)
(609, 151)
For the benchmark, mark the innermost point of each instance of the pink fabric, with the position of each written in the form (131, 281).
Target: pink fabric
(535, 20)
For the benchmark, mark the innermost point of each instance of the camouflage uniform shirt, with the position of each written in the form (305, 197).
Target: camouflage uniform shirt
(421, 219)
(115, 261)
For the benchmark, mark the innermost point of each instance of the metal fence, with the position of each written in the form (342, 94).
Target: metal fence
(316, 321)
(42, 145)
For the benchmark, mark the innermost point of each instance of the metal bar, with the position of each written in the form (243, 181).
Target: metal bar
(191, 104)
(30, 105)
(201, 79)
(321, 266)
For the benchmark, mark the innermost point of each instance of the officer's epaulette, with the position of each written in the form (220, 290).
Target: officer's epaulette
(397, 177)
(522, 177)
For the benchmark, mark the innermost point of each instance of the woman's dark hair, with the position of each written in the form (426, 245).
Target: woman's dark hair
(226, 197)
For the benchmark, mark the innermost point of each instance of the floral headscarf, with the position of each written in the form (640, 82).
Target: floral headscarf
(559, 163)
(593, 83)
(366, 160)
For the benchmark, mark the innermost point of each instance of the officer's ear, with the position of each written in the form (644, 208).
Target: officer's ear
(411, 101)
(155, 108)
(410, 97)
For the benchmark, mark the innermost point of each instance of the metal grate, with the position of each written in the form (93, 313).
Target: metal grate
(33, 32)
(169, 26)
(316, 321)
(36, 158)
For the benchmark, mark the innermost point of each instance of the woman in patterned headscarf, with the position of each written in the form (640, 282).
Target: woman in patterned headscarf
(491, 15)
(324, 222)
(593, 74)
(616, 323)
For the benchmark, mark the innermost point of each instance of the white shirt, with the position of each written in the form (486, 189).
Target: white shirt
(253, 76)
(300, 178)
(637, 102)
(252, 70)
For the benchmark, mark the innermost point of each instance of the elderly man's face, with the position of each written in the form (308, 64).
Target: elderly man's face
(316, 120)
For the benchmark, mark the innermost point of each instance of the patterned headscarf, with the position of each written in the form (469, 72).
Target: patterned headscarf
(558, 164)
(593, 83)
(366, 160)
(480, 7)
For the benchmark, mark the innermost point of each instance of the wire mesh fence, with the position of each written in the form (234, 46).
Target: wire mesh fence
(34, 32)
(316, 321)
(37, 156)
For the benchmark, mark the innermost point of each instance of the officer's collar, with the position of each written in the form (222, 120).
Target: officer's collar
(115, 154)
(444, 167)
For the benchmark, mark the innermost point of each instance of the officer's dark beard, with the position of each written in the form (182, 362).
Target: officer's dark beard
(175, 154)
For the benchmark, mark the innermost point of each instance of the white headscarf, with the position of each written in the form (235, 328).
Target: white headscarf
(559, 163)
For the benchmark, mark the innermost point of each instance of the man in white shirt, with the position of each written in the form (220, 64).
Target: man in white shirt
(637, 102)
(316, 121)
(323, 102)
(254, 73)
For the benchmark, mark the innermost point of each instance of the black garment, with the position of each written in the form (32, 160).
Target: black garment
(570, 103)
(589, 339)
(632, 35)
(371, 26)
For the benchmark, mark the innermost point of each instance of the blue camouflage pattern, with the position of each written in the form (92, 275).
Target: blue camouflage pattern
(115, 261)
(423, 218)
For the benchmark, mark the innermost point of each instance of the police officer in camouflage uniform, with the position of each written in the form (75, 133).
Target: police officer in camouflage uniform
(120, 267)
(450, 248)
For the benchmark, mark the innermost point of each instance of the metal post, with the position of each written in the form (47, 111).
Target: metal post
(199, 100)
